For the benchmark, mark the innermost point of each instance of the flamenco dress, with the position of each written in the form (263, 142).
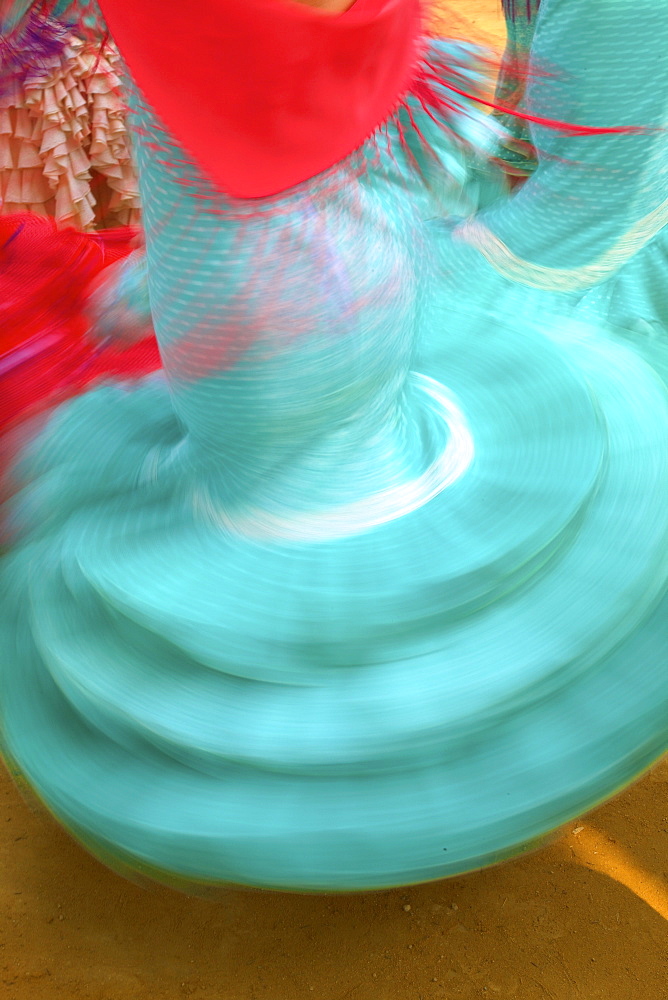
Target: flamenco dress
(368, 586)
(64, 141)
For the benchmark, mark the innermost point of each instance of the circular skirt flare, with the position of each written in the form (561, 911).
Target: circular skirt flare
(360, 706)
(373, 596)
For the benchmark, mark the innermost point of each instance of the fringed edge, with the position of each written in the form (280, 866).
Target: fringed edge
(445, 88)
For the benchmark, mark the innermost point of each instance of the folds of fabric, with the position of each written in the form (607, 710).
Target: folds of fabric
(596, 200)
(369, 587)
(64, 144)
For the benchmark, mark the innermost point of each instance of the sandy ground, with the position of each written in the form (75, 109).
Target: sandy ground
(546, 927)
(583, 919)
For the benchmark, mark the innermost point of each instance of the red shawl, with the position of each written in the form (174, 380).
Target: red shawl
(267, 93)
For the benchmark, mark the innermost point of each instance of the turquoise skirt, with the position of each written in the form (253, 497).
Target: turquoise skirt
(368, 587)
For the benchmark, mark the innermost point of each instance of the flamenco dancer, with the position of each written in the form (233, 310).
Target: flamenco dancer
(368, 586)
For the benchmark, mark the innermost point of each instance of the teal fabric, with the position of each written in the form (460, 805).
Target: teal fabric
(369, 588)
(515, 148)
(593, 190)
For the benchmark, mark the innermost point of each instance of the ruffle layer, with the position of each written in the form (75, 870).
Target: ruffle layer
(64, 143)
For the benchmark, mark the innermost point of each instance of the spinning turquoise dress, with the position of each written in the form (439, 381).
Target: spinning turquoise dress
(369, 586)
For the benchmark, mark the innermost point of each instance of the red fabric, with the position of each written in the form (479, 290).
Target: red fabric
(264, 94)
(45, 355)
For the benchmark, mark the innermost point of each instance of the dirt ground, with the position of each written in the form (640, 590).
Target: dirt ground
(546, 927)
(583, 919)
